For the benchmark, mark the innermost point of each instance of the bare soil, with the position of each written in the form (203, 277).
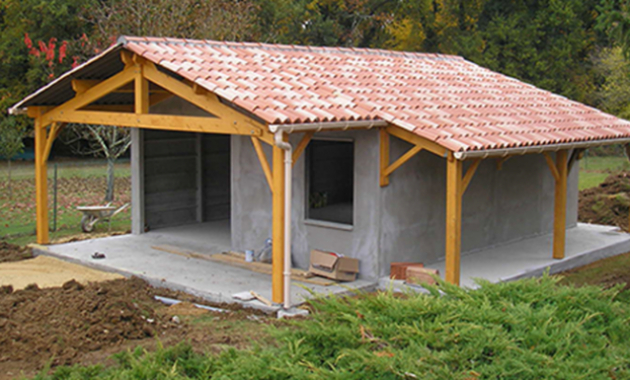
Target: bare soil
(608, 203)
(86, 324)
(11, 252)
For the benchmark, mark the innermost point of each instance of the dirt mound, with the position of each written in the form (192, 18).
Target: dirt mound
(608, 203)
(61, 323)
(12, 252)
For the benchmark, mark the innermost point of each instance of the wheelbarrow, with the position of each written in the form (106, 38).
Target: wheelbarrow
(95, 214)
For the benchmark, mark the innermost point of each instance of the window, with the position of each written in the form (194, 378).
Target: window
(330, 181)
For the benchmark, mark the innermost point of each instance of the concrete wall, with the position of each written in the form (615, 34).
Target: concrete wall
(404, 221)
(186, 176)
(251, 205)
(499, 206)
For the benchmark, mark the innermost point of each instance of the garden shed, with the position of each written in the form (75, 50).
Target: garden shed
(379, 155)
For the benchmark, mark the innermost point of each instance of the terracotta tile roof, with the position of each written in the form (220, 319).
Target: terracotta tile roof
(445, 99)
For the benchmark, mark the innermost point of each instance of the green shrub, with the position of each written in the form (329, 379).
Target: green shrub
(529, 329)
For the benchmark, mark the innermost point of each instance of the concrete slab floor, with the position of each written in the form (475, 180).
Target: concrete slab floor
(530, 257)
(132, 255)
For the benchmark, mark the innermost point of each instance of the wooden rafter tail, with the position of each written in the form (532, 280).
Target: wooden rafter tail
(263, 162)
(469, 174)
(301, 146)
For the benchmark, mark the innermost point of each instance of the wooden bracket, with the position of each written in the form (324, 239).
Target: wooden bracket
(297, 152)
(263, 161)
(501, 161)
(469, 174)
(386, 167)
(552, 166)
(55, 130)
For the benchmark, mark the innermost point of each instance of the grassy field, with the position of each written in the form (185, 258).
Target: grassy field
(594, 170)
(79, 183)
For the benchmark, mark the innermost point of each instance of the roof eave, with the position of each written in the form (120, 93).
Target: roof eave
(496, 153)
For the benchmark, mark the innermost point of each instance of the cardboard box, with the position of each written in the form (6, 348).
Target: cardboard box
(398, 271)
(419, 276)
(331, 265)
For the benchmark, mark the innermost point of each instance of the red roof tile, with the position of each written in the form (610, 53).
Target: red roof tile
(445, 99)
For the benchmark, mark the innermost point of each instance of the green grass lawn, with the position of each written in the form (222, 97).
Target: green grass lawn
(79, 183)
(594, 170)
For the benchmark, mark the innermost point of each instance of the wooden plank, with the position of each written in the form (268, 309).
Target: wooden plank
(261, 298)
(141, 94)
(277, 228)
(560, 205)
(453, 218)
(552, 166)
(150, 121)
(263, 161)
(404, 158)
(384, 156)
(299, 149)
(469, 174)
(41, 183)
(237, 259)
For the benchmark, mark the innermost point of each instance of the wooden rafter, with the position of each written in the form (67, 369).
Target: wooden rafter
(469, 174)
(89, 96)
(417, 140)
(263, 161)
(301, 146)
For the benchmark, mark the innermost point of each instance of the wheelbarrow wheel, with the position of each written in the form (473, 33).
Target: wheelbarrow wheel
(87, 224)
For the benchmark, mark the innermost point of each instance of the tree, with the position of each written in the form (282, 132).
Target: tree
(99, 141)
(613, 95)
(12, 133)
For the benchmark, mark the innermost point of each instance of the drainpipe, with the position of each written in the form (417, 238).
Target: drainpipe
(288, 165)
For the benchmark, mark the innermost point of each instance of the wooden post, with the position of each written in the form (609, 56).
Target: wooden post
(384, 153)
(560, 206)
(277, 280)
(41, 183)
(453, 218)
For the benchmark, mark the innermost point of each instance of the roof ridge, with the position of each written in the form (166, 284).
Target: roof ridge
(267, 46)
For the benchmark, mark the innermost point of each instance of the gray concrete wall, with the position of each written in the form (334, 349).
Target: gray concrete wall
(251, 205)
(499, 206)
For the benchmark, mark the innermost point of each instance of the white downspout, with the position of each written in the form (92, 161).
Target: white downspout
(288, 166)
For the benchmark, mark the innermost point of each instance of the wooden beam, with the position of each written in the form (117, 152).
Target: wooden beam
(207, 101)
(154, 99)
(277, 261)
(299, 149)
(402, 159)
(384, 156)
(469, 174)
(41, 182)
(501, 161)
(141, 94)
(552, 166)
(410, 137)
(453, 218)
(560, 205)
(91, 95)
(151, 121)
(82, 85)
(263, 161)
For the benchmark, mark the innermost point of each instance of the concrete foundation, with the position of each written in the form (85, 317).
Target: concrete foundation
(586, 243)
(133, 255)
